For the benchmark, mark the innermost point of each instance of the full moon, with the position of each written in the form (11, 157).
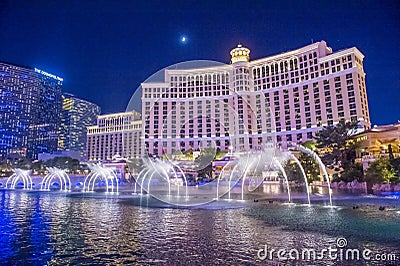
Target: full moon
(183, 39)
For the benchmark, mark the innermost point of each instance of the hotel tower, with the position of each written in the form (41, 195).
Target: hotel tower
(245, 104)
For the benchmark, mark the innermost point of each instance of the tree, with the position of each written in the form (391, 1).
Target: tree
(5, 168)
(390, 150)
(23, 164)
(204, 162)
(339, 150)
(311, 167)
(352, 172)
(380, 171)
(74, 166)
(396, 166)
(38, 168)
(134, 167)
(312, 145)
(64, 162)
(220, 154)
(293, 172)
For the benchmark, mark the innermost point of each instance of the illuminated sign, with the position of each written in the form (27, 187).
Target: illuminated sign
(48, 74)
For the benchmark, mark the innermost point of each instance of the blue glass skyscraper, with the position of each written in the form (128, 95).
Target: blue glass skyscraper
(77, 115)
(30, 111)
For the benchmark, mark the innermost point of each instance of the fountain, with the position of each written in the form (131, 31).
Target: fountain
(97, 173)
(320, 164)
(162, 170)
(19, 174)
(165, 180)
(162, 179)
(266, 160)
(294, 158)
(279, 164)
(65, 182)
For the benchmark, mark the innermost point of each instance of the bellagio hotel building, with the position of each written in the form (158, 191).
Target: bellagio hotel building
(243, 105)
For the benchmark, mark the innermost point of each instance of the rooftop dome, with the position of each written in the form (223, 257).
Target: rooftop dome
(240, 54)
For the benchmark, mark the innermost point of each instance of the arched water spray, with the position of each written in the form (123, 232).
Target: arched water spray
(219, 177)
(168, 180)
(247, 168)
(321, 167)
(278, 163)
(19, 174)
(184, 177)
(88, 177)
(65, 182)
(149, 182)
(152, 167)
(304, 175)
(138, 178)
(159, 167)
(242, 163)
(230, 180)
(164, 168)
(92, 180)
(100, 172)
(144, 178)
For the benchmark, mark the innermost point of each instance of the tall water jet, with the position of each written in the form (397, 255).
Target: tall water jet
(321, 167)
(278, 163)
(153, 167)
(138, 178)
(219, 177)
(184, 177)
(247, 168)
(304, 176)
(230, 180)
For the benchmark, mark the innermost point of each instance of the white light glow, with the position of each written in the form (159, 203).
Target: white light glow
(48, 74)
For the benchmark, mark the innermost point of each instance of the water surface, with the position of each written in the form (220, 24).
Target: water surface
(55, 229)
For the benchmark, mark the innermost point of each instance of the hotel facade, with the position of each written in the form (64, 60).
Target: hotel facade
(243, 105)
(378, 142)
(115, 136)
(30, 111)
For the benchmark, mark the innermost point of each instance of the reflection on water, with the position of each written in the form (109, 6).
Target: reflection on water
(45, 228)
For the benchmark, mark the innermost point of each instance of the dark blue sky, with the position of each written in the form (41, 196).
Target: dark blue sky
(105, 49)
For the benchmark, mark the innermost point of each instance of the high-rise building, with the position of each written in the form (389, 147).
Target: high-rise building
(241, 106)
(30, 111)
(115, 136)
(77, 116)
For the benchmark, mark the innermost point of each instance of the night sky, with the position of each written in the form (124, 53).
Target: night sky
(105, 49)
